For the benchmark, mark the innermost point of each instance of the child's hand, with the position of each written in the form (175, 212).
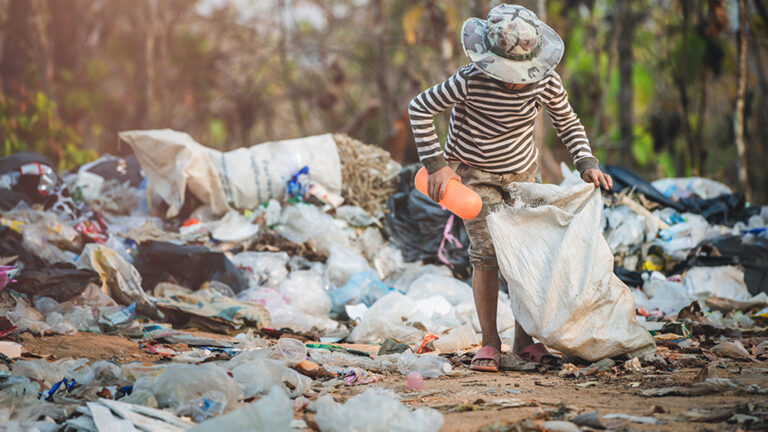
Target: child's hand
(438, 180)
(594, 175)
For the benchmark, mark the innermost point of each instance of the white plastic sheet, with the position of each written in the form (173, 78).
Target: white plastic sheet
(240, 179)
(560, 273)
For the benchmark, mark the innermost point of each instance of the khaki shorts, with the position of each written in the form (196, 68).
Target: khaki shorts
(492, 189)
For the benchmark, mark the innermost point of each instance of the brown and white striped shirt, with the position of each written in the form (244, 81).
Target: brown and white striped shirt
(491, 126)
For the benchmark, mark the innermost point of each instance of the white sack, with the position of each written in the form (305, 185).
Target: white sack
(560, 273)
(240, 179)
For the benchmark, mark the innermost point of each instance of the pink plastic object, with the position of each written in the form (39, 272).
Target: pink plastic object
(415, 381)
(458, 199)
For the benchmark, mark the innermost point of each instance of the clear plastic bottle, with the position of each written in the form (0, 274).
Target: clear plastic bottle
(429, 366)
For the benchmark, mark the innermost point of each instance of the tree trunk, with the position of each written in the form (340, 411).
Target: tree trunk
(626, 94)
(597, 128)
(382, 67)
(24, 44)
(739, 116)
(287, 77)
(149, 51)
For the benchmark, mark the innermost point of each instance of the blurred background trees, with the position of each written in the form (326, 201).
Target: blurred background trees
(656, 82)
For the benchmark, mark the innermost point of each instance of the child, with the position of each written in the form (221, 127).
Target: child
(490, 144)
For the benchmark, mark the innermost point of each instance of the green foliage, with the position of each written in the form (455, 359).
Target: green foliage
(30, 122)
(218, 132)
(642, 147)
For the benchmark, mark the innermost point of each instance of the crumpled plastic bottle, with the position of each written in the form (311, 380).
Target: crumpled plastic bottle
(429, 366)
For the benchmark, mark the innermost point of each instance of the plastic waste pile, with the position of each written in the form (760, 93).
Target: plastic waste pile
(254, 243)
(244, 279)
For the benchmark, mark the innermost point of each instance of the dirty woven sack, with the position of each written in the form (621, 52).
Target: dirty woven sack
(560, 273)
(240, 179)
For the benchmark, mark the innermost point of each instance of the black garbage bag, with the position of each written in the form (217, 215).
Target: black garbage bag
(61, 281)
(188, 266)
(752, 255)
(121, 169)
(726, 209)
(416, 225)
(624, 178)
(9, 199)
(632, 279)
(11, 245)
(30, 174)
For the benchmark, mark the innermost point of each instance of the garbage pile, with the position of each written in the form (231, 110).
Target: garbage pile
(290, 252)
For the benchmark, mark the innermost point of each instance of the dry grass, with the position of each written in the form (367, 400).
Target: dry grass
(368, 174)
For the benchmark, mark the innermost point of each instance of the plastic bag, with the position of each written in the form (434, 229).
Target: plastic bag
(120, 279)
(626, 230)
(343, 263)
(417, 224)
(284, 314)
(267, 268)
(393, 316)
(428, 285)
(374, 410)
(302, 223)
(305, 289)
(388, 261)
(27, 318)
(233, 227)
(370, 242)
(178, 384)
(355, 216)
(666, 296)
(560, 273)
(189, 266)
(362, 287)
(273, 412)
(61, 281)
(256, 373)
(725, 282)
(685, 187)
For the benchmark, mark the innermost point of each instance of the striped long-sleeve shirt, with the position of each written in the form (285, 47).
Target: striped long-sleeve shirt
(491, 125)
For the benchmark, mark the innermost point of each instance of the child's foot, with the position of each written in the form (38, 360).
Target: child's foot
(537, 353)
(487, 359)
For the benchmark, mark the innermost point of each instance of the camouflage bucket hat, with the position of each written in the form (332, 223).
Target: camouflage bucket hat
(513, 45)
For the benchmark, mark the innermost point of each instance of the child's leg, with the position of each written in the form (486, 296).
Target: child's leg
(482, 256)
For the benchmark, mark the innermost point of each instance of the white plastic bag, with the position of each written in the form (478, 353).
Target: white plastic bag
(374, 410)
(560, 273)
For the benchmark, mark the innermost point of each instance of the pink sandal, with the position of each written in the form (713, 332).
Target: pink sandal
(486, 353)
(537, 353)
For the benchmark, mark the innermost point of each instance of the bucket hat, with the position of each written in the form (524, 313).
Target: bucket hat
(513, 45)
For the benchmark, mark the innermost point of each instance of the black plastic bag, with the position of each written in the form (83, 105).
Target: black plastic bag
(624, 178)
(30, 174)
(61, 281)
(121, 169)
(732, 250)
(11, 245)
(416, 225)
(725, 209)
(188, 266)
(632, 279)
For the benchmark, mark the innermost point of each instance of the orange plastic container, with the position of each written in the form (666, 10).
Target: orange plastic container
(458, 199)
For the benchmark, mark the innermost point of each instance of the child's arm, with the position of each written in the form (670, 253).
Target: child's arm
(422, 110)
(567, 123)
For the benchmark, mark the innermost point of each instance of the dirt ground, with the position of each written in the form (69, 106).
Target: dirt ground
(473, 401)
